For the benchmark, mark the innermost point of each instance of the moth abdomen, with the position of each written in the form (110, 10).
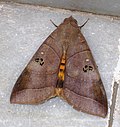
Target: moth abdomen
(61, 73)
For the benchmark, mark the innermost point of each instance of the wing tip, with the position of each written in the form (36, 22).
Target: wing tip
(13, 99)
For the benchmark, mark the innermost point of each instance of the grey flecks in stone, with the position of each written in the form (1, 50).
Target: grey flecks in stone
(109, 7)
(23, 28)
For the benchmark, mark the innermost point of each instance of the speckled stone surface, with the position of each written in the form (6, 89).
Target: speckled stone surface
(23, 28)
(109, 7)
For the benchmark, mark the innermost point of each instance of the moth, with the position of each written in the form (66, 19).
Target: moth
(63, 66)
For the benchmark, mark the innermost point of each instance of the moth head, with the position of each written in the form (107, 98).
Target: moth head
(71, 20)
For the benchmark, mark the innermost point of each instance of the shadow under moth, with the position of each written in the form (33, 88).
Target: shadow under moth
(63, 66)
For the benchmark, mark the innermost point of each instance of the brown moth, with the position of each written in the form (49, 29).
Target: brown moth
(63, 66)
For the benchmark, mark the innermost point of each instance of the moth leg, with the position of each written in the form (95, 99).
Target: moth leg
(53, 23)
(84, 23)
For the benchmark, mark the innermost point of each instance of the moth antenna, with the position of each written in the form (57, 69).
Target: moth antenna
(84, 23)
(53, 23)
